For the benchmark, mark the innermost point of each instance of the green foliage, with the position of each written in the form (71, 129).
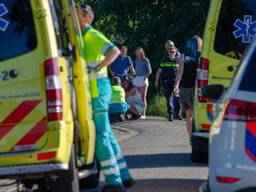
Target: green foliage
(157, 106)
(149, 23)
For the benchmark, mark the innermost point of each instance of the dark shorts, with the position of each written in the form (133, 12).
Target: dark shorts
(187, 97)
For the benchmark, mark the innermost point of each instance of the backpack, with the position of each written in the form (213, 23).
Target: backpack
(191, 50)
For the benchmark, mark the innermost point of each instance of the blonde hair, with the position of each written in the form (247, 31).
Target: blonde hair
(142, 52)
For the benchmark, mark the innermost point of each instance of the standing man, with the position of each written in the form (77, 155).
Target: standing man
(169, 45)
(122, 65)
(167, 72)
(186, 78)
(99, 53)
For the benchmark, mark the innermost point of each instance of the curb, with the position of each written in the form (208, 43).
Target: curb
(149, 118)
(128, 133)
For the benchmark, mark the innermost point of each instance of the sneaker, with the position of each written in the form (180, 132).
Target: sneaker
(143, 117)
(128, 183)
(113, 188)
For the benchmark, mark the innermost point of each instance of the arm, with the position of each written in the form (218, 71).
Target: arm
(179, 74)
(110, 58)
(106, 48)
(158, 74)
(148, 69)
(111, 71)
(131, 68)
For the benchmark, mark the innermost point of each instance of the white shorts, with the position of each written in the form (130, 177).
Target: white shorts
(140, 81)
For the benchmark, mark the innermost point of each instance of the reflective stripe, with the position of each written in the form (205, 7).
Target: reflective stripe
(94, 76)
(122, 165)
(93, 64)
(169, 65)
(108, 162)
(106, 47)
(119, 157)
(111, 171)
(115, 103)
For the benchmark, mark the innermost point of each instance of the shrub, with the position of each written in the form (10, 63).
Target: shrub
(157, 106)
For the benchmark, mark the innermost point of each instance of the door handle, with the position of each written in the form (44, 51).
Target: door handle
(230, 68)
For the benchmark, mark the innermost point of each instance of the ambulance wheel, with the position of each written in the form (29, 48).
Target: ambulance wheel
(199, 157)
(93, 180)
(68, 181)
(90, 182)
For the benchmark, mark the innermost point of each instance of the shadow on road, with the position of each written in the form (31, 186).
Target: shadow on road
(161, 160)
(167, 185)
(162, 185)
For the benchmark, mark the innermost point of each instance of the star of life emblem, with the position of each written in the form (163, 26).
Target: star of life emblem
(246, 29)
(3, 23)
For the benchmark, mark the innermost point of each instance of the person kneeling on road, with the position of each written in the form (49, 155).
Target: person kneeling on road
(118, 105)
(134, 99)
(99, 52)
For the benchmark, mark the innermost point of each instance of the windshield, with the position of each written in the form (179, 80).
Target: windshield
(17, 30)
(236, 27)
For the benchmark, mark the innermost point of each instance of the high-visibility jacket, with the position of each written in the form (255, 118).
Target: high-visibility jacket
(169, 70)
(118, 95)
(96, 47)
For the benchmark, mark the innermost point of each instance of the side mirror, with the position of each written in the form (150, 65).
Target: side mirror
(213, 92)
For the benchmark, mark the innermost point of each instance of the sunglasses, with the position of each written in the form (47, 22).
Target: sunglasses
(85, 7)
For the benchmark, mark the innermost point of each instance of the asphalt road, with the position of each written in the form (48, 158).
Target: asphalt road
(158, 154)
(159, 157)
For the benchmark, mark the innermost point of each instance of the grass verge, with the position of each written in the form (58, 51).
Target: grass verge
(157, 106)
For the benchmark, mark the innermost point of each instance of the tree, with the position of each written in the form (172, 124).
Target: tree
(149, 23)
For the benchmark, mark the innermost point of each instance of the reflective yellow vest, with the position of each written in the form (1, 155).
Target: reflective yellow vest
(118, 95)
(96, 48)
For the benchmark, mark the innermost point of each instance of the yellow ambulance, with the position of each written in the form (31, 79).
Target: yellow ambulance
(230, 27)
(45, 135)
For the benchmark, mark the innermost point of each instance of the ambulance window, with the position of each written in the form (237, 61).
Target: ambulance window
(249, 77)
(236, 27)
(17, 29)
(60, 26)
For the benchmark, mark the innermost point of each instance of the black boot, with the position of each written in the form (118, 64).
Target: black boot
(170, 118)
(113, 188)
(128, 183)
(177, 117)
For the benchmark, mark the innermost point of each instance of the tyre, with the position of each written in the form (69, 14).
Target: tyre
(90, 182)
(68, 181)
(199, 157)
(93, 180)
(199, 146)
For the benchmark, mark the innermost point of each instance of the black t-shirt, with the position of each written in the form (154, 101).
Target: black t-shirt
(169, 69)
(191, 57)
(189, 75)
